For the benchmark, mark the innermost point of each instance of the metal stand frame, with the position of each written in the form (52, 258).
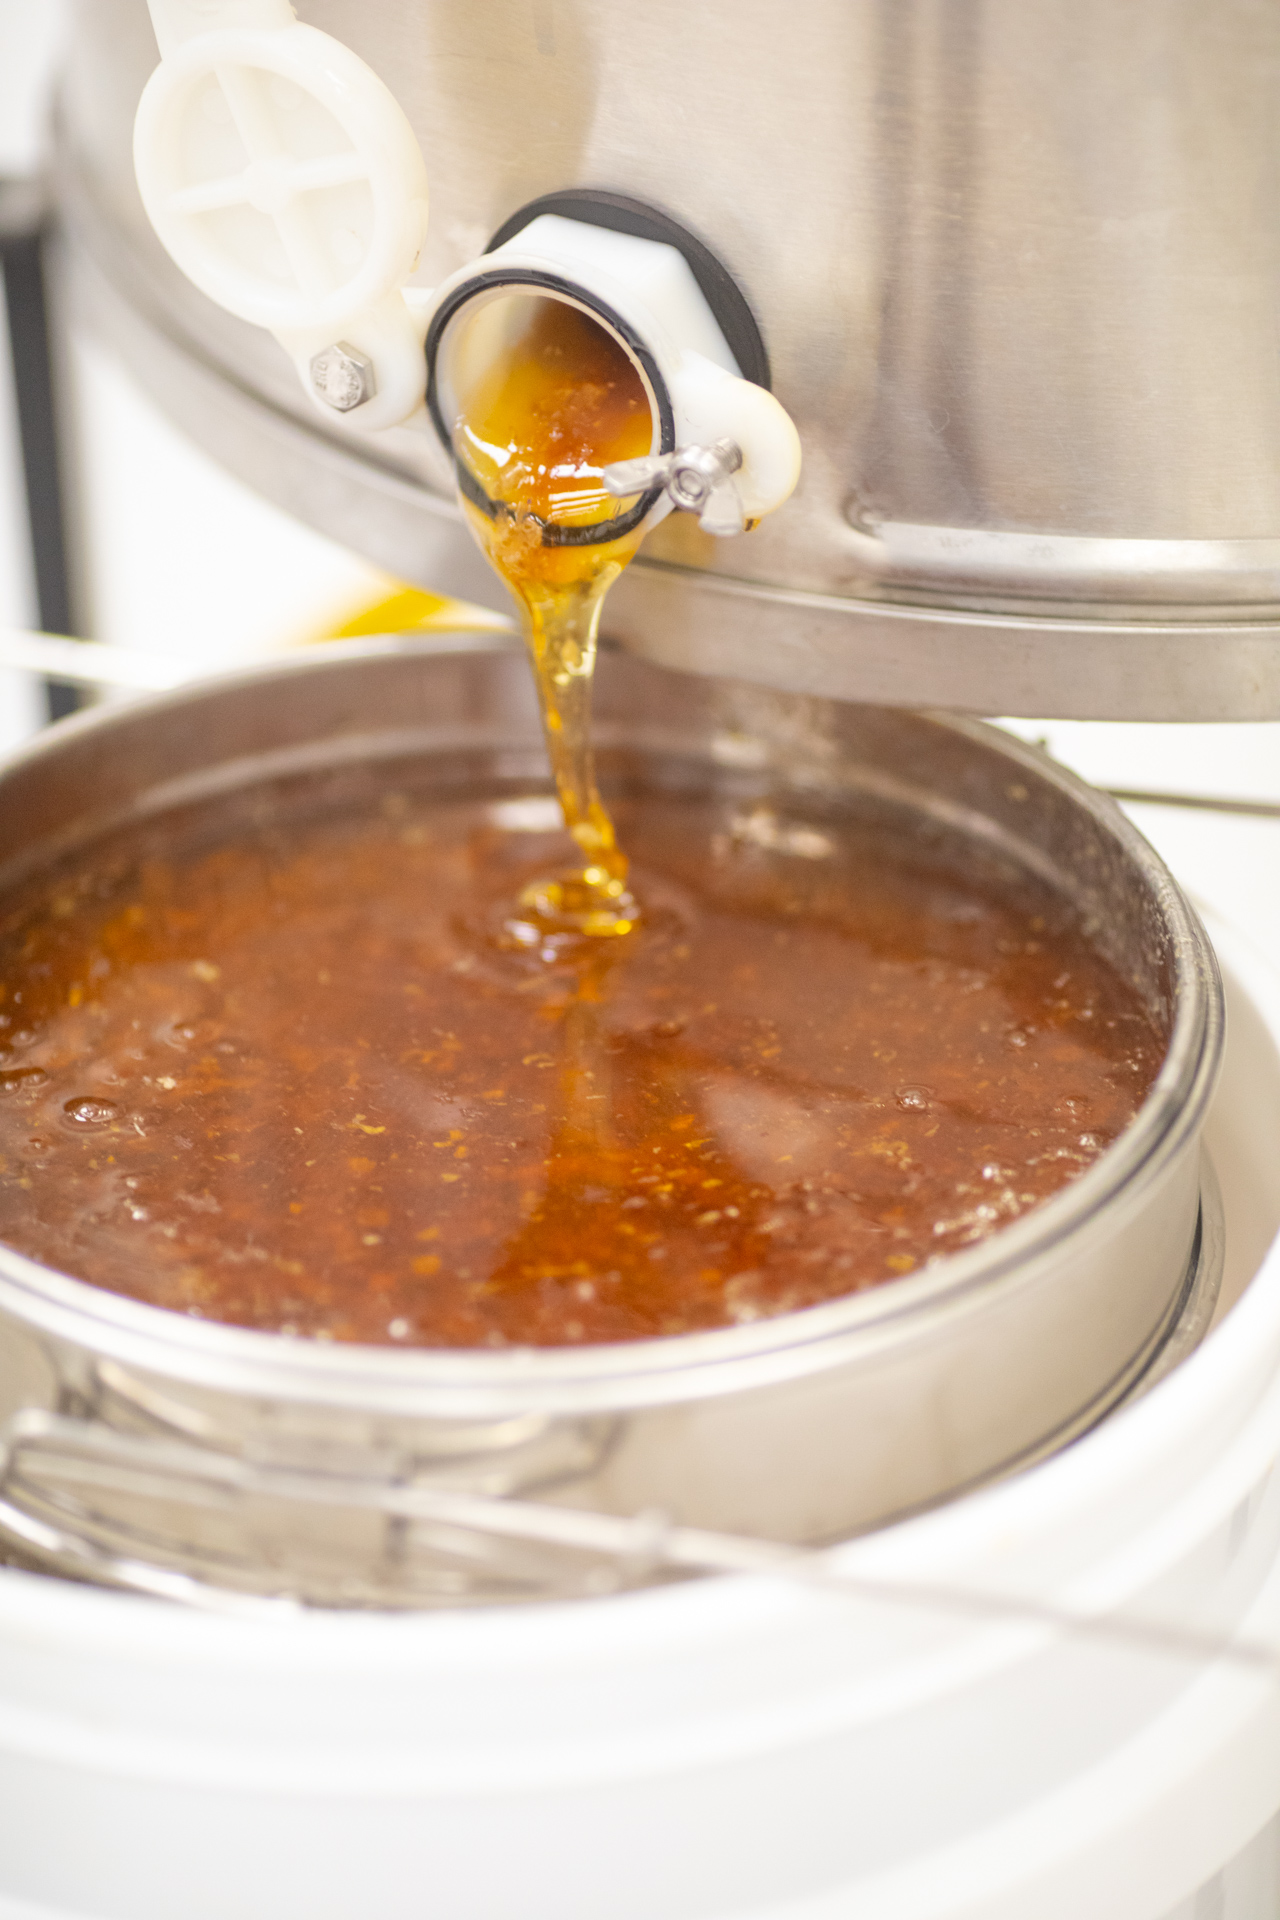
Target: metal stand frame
(24, 231)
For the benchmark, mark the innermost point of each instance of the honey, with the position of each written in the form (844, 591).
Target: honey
(265, 1062)
(558, 402)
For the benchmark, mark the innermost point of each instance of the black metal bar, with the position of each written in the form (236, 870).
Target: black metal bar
(24, 229)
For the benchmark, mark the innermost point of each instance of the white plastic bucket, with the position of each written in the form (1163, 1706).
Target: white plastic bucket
(727, 1747)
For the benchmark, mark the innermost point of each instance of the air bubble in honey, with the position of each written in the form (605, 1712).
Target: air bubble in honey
(85, 1111)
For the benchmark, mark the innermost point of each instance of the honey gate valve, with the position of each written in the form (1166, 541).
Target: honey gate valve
(283, 178)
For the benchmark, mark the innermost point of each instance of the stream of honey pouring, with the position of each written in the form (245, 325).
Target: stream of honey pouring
(556, 406)
(560, 402)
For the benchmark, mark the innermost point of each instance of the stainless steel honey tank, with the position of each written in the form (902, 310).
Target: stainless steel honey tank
(1015, 265)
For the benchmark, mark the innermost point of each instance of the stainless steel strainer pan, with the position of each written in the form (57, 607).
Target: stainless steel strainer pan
(145, 1446)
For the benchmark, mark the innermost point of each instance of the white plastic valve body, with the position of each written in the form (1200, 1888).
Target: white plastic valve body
(285, 181)
(646, 293)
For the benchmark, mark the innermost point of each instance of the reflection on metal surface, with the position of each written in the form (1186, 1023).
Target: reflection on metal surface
(1066, 567)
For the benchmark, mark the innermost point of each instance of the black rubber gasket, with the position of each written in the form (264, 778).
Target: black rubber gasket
(553, 534)
(619, 214)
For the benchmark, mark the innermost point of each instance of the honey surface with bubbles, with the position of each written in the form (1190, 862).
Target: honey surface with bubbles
(265, 1063)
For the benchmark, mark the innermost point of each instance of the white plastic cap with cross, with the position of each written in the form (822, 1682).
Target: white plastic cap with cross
(283, 178)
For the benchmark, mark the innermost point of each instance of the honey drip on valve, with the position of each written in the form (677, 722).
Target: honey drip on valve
(557, 405)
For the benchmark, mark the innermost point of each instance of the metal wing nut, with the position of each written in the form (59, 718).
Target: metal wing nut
(696, 480)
